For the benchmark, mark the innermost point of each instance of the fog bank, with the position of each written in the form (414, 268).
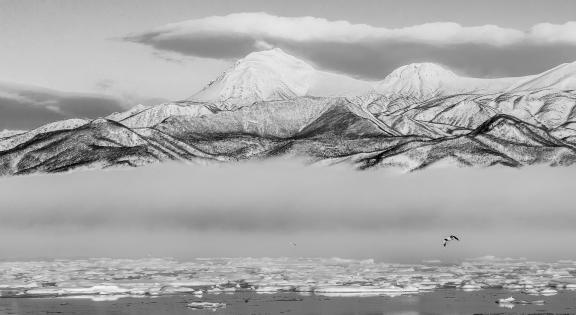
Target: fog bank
(257, 209)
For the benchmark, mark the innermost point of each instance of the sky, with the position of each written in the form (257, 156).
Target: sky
(258, 209)
(146, 51)
(61, 59)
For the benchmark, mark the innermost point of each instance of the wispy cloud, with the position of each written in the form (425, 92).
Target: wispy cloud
(235, 35)
(25, 107)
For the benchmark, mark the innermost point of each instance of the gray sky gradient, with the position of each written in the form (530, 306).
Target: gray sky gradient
(80, 46)
(256, 209)
(75, 45)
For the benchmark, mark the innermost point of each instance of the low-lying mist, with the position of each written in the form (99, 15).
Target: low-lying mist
(258, 209)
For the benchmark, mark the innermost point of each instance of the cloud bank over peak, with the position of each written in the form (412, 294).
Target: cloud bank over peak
(305, 29)
(261, 26)
(351, 48)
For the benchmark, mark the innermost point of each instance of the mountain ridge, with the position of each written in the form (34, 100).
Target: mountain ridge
(275, 75)
(420, 116)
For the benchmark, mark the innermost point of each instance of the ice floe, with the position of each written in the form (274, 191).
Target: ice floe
(106, 278)
(510, 302)
(205, 306)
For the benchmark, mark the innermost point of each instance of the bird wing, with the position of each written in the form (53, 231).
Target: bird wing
(454, 237)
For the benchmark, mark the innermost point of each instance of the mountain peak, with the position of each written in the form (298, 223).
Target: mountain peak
(423, 70)
(270, 53)
(273, 58)
(417, 79)
(262, 75)
(271, 75)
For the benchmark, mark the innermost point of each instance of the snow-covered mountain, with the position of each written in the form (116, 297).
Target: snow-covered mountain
(275, 75)
(417, 79)
(561, 78)
(141, 116)
(426, 80)
(271, 104)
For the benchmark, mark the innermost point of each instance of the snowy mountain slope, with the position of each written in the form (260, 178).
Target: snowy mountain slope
(275, 75)
(274, 119)
(501, 140)
(560, 78)
(326, 129)
(12, 141)
(418, 79)
(407, 126)
(149, 116)
(271, 104)
(465, 113)
(119, 116)
(341, 121)
(549, 109)
(7, 133)
(426, 80)
(100, 143)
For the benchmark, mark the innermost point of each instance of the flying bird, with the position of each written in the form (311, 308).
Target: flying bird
(450, 238)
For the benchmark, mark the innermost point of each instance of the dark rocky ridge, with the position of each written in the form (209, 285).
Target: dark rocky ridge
(378, 133)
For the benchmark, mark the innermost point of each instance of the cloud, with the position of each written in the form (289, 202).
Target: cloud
(554, 33)
(24, 107)
(369, 51)
(263, 26)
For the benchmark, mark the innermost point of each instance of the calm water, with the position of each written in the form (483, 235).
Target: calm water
(446, 301)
